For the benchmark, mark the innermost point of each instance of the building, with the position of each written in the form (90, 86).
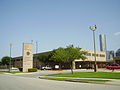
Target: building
(117, 57)
(102, 38)
(118, 52)
(88, 63)
(110, 55)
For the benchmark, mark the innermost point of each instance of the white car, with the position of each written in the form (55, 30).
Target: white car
(14, 68)
(46, 68)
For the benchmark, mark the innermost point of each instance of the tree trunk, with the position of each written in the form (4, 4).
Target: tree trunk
(60, 66)
(71, 66)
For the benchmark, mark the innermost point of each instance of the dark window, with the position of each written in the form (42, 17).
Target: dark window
(88, 54)
(101, 55)
(93, 54)
(17, 59)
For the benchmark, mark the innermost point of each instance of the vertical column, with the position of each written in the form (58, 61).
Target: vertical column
(27, 57)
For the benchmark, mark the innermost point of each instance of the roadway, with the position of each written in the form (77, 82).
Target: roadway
(16, 82)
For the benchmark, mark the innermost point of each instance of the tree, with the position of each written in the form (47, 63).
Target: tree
(44, 57)
(6, 60)
(74, 53)
(59, 55)
(68, 54)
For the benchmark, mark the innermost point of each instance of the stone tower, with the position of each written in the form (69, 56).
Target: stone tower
(27, 56)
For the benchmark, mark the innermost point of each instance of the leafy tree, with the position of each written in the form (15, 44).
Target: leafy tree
(6, 60)
(59, 55)
(44, 57)
(74, 53)
(68, 54)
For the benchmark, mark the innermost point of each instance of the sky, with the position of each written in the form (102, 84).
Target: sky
(57, 23)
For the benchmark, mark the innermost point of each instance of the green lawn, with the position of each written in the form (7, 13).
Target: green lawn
(107, 75)
(10, 72)
(15, 72)
(73, 79)
(1, 72)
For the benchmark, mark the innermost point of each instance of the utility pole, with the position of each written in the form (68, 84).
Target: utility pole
(36, 52)
(10, 58)
(36, 47)
(93, 28)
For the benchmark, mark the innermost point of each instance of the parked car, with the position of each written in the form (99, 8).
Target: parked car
(113, 66)
(14, 68)
(46, 68)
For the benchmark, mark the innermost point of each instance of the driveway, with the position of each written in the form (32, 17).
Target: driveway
(11, 82)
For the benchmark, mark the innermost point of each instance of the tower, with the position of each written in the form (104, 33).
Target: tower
(102, 38)
(27, 57)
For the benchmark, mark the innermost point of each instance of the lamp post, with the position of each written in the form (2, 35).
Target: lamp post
(10, 58)
(93, 28)
(36, 53)
(36, 47)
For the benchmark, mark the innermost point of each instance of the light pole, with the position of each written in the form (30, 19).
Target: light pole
(10, 57)
(93, 28)
(36, 53)
(36, 47)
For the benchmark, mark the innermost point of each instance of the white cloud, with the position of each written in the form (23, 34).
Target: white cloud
(117, 33)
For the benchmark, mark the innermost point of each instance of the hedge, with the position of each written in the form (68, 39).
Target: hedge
(32, 70)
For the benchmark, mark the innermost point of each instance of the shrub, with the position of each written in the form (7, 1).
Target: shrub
(32, 70)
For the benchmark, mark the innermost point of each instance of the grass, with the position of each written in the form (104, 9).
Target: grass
(1, 72)
(73, 79)
(15, 72)
(69, 69)
(10, 72)
(107, 75)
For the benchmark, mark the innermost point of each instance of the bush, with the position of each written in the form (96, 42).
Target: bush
(32, 70)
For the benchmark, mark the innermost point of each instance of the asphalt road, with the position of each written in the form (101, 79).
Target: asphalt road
(11, 82)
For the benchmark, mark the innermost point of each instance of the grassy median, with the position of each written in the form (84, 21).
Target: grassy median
(74, 79)
(107, 75)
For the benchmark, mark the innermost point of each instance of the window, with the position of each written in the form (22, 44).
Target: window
(101, 55)
(93, 54)
(97, 55)
(88, 54)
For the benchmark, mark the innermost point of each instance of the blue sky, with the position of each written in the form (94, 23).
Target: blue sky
(57, 23)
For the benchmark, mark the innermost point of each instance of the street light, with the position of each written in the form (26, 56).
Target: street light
(10, 57)
(36, 47)
(93, 28)
(36, 53)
